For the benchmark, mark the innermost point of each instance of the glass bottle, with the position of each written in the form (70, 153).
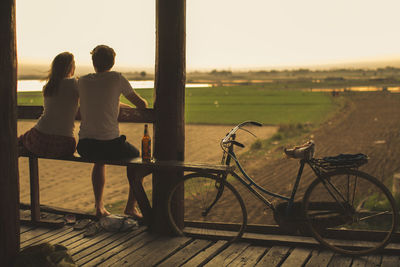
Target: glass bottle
(146, 144)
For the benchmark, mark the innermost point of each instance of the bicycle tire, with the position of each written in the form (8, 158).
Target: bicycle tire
(199, 191)
(361, 223)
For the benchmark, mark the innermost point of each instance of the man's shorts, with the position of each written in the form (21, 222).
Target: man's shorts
(114, 149)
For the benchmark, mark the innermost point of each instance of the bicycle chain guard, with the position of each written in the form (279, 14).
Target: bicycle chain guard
(293, 222)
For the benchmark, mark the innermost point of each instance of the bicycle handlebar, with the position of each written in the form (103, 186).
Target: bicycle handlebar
(233, 131)
(234, 143)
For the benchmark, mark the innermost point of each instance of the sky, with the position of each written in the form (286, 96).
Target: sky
(220, 34)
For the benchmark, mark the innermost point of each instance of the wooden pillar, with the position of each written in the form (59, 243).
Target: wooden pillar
(35, 191)
(170, 76)
(9, 185)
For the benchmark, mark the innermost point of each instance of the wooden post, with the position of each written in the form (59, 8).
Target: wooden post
(9, 184)
(35, 192)
(170, 76)
(140, 194)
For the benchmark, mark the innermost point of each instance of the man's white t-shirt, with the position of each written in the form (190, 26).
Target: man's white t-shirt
(60, 110)
(99, 95)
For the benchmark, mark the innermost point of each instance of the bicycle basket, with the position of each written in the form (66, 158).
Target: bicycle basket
(342, 161)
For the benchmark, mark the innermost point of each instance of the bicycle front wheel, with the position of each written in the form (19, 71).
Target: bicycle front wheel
(212, 208)
(350, 212)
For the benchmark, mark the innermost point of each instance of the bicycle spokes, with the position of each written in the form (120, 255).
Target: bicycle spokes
(347, 206)
(207, 199)
(220, 189)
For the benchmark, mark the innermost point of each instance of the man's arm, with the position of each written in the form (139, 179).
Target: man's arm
(137, 100)
(123, 105)
(125, 113)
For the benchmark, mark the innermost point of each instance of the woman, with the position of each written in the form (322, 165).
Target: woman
(52, 136)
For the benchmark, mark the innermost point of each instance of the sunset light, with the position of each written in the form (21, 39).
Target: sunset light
(219, 34)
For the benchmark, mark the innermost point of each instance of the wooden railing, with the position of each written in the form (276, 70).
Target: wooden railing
(125, 114)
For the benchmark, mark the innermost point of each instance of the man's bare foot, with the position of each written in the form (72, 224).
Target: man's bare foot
(135, 213)
(102, 212)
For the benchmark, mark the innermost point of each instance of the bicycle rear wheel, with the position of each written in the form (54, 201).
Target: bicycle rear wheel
(213, 209)
(350, 212)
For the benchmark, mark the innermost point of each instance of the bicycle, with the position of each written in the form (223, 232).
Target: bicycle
(340, 208)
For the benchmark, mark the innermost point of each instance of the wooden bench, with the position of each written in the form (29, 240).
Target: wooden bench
(126, 115)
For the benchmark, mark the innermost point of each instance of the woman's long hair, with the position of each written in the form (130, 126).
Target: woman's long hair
(60, 68)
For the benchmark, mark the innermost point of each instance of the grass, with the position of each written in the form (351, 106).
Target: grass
(231, 105)
(285, 133)
(30, 99)
(397, 199)
(376, 202)
(291, 133)
(234, 104)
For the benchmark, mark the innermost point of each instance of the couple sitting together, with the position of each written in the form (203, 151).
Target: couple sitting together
(99, 139)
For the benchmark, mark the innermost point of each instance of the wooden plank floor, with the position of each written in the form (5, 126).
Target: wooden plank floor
(141, 248)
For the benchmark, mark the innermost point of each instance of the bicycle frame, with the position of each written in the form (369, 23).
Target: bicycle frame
(335, 193)
(258, 190)
(255, 188)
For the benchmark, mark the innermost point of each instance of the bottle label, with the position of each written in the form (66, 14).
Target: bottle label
(146, 149)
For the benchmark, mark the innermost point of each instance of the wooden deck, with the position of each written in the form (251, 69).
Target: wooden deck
(141, 248)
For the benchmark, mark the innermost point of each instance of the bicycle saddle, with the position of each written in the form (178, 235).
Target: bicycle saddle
(304, 151)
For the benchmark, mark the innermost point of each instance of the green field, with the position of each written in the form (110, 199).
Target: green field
(231, 105)
(234, 104)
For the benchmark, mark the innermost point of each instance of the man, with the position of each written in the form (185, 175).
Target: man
(99, 137)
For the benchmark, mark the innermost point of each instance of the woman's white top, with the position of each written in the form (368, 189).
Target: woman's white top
(60, 110)
(99, 95)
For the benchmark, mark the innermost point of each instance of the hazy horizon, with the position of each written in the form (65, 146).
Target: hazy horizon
(42, 68)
